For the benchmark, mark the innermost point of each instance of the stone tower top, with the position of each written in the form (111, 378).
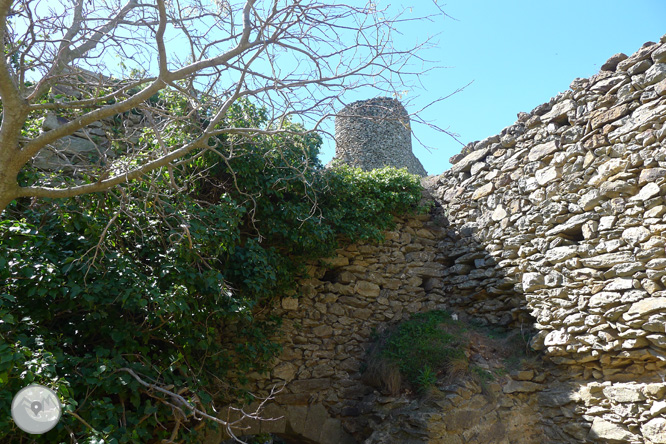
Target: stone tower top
(374, 133)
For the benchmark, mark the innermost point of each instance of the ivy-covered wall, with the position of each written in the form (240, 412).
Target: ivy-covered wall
(108, 297)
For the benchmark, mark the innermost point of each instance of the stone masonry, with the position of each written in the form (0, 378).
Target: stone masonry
(556, 226)
(374, 133)
(567, 207)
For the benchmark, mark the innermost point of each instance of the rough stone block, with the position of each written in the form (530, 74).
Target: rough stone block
(540, 151)
(612, 62)
(656, 73)
(547, 175)
(602, 429)
(296, 416)
(483, 191)
(646, 307)
(559, 112)
(323, 331)
(560, 254)
(556, 338)
(76, 146)
(617, 188)
(290, 303)
(635, 235)
(660, 88)
(333, 433)
(334, 262)
(533, 281)
(651, 175)
(619, 284)
(521, 387)
(655, 430)
(605, 299)
(603, 117)
(465, 164)
(499, 213)
(274, 419)
(590, 200)
(572, 225)
(367, 289)
(659, 54)
(285, 371)
(607, 260)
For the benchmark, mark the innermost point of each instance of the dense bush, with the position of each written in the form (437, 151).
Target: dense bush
(148, 278)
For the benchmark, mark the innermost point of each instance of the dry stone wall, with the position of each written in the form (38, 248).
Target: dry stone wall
(90, 147)
(327, 331)
(459, 413)
(555, 227)
(327, 327)
(567, 208)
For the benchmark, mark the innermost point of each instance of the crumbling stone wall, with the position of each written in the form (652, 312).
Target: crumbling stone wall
(568, 207)
(89, 147)
(556, 226)
(374, 133)
(327, 326)
(327, 330)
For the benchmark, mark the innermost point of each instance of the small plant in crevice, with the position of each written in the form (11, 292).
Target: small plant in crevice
(510, 346)
(426, 379)
(482, 375)
(419, 350)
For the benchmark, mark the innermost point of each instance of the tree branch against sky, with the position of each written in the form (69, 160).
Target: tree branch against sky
(111, 57)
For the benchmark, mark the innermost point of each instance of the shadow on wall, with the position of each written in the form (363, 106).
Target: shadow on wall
(558, 223)
(425, 264)
(295, 424)
(570, 203)
(526, 401)
(368, 288)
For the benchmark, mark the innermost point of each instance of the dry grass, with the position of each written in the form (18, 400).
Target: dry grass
(384, 375)
(457, 368)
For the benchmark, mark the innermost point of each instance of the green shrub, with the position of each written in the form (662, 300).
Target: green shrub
(167, 283)
(421, 348)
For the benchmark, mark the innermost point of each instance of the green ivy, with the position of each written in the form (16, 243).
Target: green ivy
(167, 283)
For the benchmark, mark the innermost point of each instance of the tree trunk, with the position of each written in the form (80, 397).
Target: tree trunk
(9, 189)
(11, 160)
(3, 204)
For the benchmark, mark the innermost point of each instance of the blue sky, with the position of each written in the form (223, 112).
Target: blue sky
(518, 53)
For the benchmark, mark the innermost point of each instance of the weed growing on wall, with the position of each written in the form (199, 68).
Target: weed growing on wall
(419, 349)
(429, 346)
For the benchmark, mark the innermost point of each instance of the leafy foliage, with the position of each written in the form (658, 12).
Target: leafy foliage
(156, 280)
(425, 345)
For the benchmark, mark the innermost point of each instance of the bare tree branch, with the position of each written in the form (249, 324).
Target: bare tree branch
(187, 409)
(297, 59)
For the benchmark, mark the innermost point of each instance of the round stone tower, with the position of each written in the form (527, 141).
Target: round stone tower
(374, 133)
